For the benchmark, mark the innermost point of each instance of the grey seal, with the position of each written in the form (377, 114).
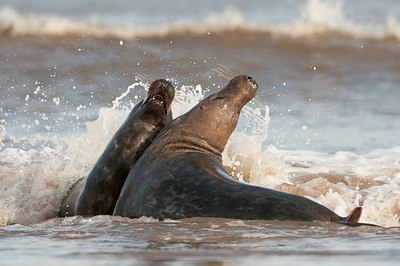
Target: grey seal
(98, 192)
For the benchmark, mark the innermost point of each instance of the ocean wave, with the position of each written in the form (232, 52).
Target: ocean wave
(317, 18)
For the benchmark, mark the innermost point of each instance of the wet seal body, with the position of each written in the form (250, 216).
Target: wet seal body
(181, 174)
(99, 191)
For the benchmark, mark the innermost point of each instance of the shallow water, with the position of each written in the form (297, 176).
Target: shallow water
(200, 241)
(324, 124)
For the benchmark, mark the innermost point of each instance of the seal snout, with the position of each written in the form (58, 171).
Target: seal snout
(167, 92)
(162, 92)
(253, 82)
(158, 98)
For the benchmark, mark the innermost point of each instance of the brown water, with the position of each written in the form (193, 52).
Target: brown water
(329, 84)
(104, 240)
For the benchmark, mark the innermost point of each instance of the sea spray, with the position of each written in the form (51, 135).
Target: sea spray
(36, 171)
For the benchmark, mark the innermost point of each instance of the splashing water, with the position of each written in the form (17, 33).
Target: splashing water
(37, 171)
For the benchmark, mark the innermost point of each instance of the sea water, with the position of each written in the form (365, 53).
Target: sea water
(325, 123)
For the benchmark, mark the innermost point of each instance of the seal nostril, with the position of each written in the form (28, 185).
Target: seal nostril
(252, 81)
(158, 98)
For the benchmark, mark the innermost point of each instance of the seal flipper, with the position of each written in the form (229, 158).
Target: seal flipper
(354, 216)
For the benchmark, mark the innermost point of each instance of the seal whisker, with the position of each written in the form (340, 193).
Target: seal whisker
(142, 77)
(224, 72)
(178, 101)
(227, 70)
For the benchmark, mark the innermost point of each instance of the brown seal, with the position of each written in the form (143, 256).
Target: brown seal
(98, 192)
(181, 174)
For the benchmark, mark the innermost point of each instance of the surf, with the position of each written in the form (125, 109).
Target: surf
(315, 18)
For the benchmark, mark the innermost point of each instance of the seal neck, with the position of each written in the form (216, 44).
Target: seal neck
(185, 143)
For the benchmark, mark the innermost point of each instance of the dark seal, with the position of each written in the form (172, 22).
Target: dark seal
(181, 174)
(99, 191)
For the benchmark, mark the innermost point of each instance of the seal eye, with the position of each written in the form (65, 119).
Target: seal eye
(158, 98)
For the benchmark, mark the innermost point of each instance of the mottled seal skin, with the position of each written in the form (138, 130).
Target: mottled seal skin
(181, 174)
(98, 193)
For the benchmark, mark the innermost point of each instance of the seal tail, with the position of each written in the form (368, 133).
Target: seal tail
(354, 216)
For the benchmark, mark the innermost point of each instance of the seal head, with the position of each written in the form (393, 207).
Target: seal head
(208, 126)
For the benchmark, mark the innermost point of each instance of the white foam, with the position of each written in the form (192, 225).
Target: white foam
(185, 98)
(324, 17)
(316, 17)
(34, 179)
(338, 181)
